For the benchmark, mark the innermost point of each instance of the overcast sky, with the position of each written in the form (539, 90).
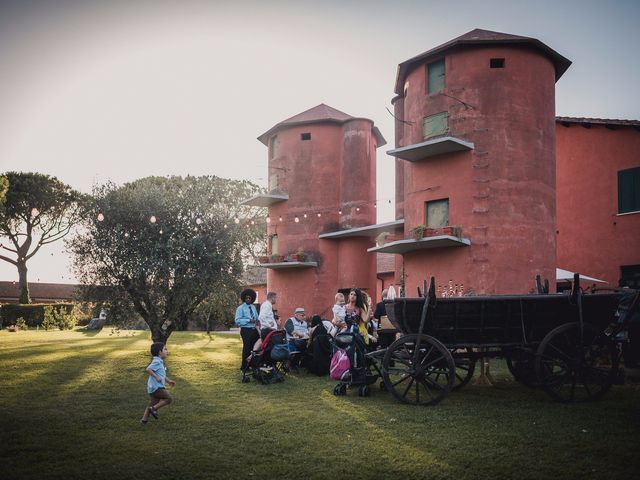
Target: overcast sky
(92, 91)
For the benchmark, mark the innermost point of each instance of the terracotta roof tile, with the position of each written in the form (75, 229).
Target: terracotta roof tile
(598, 121)
(319, 113)
(480, 37)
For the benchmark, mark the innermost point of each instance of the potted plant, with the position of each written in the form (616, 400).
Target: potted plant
(418, 231)
(382, 238)
(275, 258)
(299, 256)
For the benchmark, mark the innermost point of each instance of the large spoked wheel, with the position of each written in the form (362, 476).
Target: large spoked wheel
(465, 366)
(424, 377)
(522, 365)
(575, 366)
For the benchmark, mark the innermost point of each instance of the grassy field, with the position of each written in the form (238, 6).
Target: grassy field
(70, 404)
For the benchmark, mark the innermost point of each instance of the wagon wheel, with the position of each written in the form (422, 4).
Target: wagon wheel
(572, 367)
(465, 366)
(422, 379)
(522, 365)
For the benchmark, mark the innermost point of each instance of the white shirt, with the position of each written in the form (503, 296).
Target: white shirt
(340, 311)
(266, 318)
(329, 327)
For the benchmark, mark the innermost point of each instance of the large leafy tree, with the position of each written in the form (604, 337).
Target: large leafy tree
(35, 210)
(167, 243)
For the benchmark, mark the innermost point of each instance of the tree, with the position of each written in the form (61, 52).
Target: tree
(36, 210)
(168, 243)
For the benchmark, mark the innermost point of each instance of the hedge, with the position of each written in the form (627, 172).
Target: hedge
(33, 314)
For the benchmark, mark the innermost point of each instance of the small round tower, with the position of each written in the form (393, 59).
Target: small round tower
(322, 176)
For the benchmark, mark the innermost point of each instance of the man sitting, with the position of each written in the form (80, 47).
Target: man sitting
(297, 330)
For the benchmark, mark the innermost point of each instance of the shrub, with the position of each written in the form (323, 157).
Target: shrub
(33, 314)
(21, 324)
(58, 318)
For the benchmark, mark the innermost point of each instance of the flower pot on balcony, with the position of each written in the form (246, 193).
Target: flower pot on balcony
(276, 258)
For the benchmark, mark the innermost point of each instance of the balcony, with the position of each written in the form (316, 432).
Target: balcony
(265, 199)
(369, 231)
(425, 243)
(431, 148)
(278, 262)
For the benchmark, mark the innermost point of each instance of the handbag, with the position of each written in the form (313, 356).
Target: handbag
(280, 352)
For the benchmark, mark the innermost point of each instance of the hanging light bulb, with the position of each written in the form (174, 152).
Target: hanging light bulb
(100, 217)
(319, 214)
(357, 209)
(225, 225)
(252, 222)
(153, 219)
(305, 215)
(126, 234)
(236, 220)
(375, 205)
(160, 232)
(296, 219)
(268, 219)
(340, 212)
(198, 221)
(279, 219)
(34, 212)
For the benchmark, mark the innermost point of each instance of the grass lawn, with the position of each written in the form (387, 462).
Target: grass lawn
(70, 404)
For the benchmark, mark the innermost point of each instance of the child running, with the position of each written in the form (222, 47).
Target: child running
(158, 395)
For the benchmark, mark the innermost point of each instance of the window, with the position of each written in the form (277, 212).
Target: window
(496, 63)
(274, 146)
(435, 76)
(305, 136)
(273, 182)
(629, 190)
(434, 125)
(437, 213)
(630, 276)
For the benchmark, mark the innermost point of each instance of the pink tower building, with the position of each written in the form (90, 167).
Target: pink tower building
(476, 163)
(321, 205)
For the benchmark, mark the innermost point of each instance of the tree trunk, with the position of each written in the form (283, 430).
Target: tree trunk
(23, 284)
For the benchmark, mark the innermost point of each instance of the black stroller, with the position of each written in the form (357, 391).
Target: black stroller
(265, 364)
(363, 369)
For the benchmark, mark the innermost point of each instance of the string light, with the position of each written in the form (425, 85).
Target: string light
(339, 212)
(225, 225)
(268, 219)
(126, 234)
(252, 222)
(357, 209)
(198, 221)
(280, 219)
(319, 214)
(236, 220)
(100, 217)
(296, 219)
(305, 215)
(35, 212)
(153, 219)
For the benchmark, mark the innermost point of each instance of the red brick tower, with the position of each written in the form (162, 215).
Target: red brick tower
(322, 176)
(475, 149)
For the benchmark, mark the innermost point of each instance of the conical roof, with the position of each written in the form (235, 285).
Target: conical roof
(481, 37)
(319, 113)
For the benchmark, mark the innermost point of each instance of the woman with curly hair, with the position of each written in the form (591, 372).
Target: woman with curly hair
(247, 320)
(357, 315)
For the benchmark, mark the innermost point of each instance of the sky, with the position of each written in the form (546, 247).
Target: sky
(97, 91)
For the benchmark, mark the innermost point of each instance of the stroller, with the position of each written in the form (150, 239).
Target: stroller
(265, 364)
(362, 365)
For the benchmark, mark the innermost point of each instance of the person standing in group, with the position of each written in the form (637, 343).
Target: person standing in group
(357, 315)
(158, 395)
(247, 320)
(267, 317)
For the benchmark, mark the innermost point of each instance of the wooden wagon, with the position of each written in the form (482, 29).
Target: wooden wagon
(565, 344)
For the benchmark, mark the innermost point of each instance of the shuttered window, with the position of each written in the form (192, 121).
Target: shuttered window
(437, 213)
(434, 125)
(274, 146)
(435, 76)
(629, 190)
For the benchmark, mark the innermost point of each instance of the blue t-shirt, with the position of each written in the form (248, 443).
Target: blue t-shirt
(157, 366)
